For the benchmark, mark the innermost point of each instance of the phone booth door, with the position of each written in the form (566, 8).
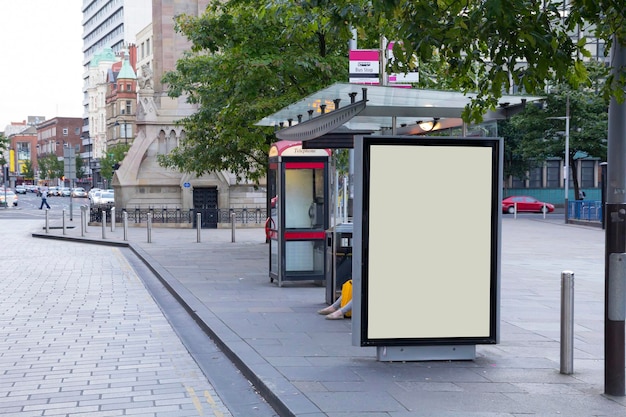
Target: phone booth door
(299, 214)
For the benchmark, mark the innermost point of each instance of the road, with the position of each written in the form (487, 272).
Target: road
(88, 330)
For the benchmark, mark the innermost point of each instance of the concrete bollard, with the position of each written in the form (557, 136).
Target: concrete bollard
(515, 210)
(112, 219)
(104, 224)
(567, 322)
(47, 224)
(64, 230)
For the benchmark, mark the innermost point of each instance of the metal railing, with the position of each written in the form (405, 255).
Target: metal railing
(255, 216)
(587, 210)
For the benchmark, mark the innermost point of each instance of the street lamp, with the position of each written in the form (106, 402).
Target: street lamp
(566, 159)
(125, 134)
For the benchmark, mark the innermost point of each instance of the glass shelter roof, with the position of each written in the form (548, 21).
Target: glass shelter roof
(387, 107)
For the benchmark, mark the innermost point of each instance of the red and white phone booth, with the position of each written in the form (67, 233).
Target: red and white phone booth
(298, 189)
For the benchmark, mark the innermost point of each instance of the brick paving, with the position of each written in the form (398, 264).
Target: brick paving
(306, 366)
(81, 336)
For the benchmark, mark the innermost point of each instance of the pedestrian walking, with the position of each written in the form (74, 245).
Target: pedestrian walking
(44, 199)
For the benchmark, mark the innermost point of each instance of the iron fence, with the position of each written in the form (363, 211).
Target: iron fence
(255, 216)
(587, 210)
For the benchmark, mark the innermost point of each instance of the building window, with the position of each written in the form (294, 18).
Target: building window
(65, 131)
(535, 177)
(147, 46)
(553, 174)
(519, 182)
(128, 87)
(129, 107)
(587, 170)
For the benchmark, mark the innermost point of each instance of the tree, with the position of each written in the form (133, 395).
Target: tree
(50, 167)
(536, 135)
(27, 170)
(113, 159)
(4, 143)
(80, 169)
(248, 61)
(493, 45)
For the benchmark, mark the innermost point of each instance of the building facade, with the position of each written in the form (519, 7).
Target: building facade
(53, 137)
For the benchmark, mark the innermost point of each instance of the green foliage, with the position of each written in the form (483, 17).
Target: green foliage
(115, 155)
(4, 144)
(248, 61)
(492, 45)
(538, 133)
(50, 167)
(80, 171)
(27, 170)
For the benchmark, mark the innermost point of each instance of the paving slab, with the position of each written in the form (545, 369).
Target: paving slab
(306, 366)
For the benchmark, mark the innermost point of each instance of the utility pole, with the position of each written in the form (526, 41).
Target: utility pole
(615, 247)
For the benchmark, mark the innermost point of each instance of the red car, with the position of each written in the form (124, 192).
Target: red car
(525, 203)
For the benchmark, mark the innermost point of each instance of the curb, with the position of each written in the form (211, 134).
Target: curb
(266, 379)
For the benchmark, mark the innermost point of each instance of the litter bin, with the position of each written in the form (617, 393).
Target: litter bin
(338, 259)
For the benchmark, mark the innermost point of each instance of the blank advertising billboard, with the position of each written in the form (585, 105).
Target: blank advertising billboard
(430, 241)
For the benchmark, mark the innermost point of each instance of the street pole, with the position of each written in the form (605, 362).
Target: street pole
(615, 245)
(566, 167)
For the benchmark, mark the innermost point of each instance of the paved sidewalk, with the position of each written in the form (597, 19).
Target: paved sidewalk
(306, 366)
(81, 336)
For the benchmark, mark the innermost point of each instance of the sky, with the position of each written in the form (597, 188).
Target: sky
(41, 55)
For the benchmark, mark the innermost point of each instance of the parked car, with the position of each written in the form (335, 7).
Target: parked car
(79, 192)
(10, 196)
(20, 189)
(65, 191)
(107, 197)
(525, 203)
(94, 196)
(92, 192)
(54, 191)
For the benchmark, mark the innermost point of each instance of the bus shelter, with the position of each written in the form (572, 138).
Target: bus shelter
(426, 285)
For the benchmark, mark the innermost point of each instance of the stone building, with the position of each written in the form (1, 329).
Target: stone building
(140, 182)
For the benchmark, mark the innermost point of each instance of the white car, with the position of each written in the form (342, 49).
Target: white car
(107, 197)
(79, 192)
(91, 194)
(11, 198)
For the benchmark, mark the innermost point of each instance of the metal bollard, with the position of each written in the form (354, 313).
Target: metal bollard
(567, 322)
(149, 228)
(515, 210)
(64, 221)
(198, 226)
(104, 224)
(232, 227)
(82, 221)
(86, 219)
(47, 225)
(112, 219)
(125, 224)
